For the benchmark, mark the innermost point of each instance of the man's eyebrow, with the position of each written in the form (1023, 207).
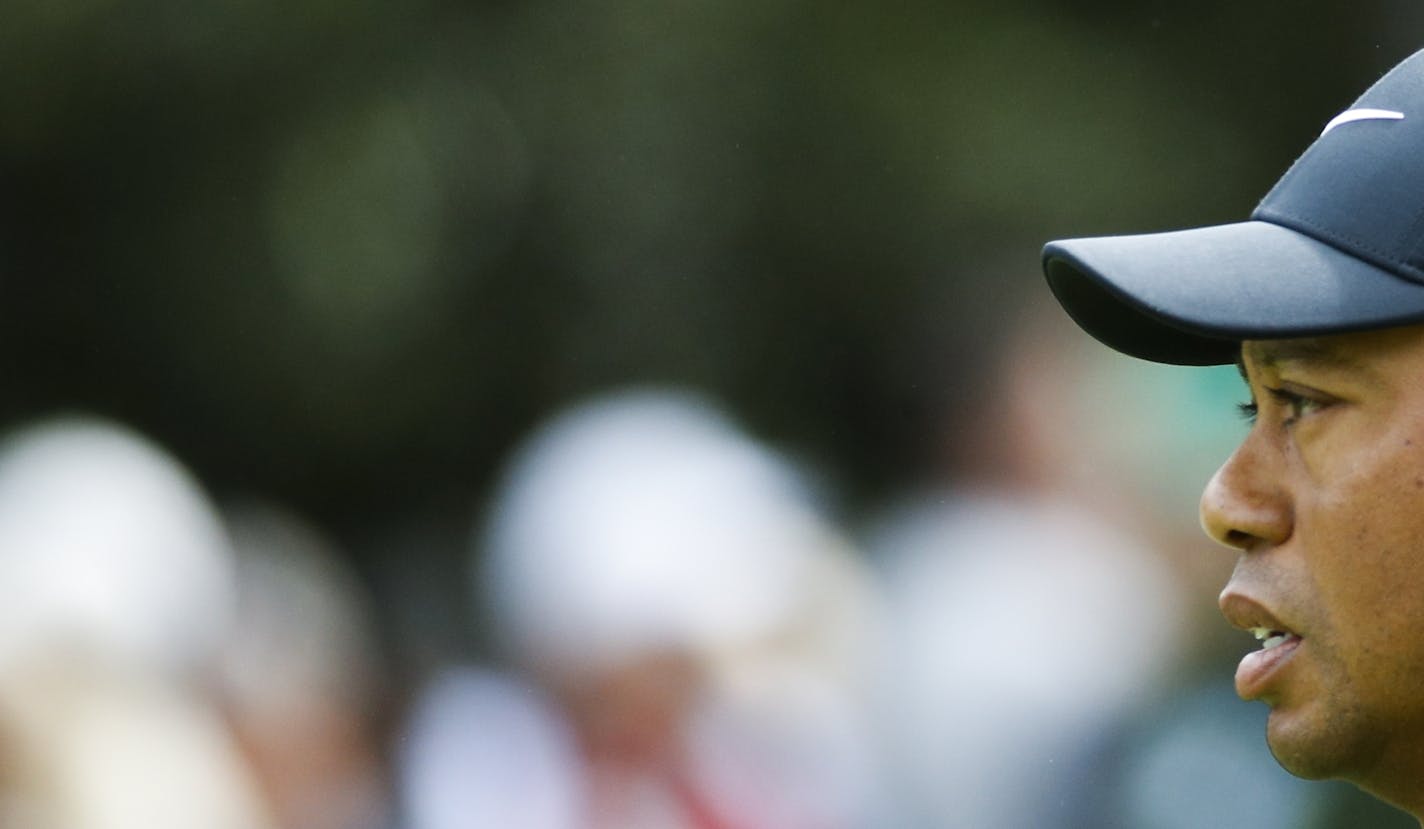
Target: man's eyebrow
(1314, 352)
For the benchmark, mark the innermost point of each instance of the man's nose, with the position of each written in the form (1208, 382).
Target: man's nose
(1246, 503)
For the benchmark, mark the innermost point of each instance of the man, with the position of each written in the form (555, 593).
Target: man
(1319, 298)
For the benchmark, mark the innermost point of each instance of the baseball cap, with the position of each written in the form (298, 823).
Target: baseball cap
(1337, 245)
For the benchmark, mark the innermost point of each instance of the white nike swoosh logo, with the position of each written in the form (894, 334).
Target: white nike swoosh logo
(1362, 115)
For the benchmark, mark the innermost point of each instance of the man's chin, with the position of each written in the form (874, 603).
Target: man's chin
(1309, 748)
(1302, 765)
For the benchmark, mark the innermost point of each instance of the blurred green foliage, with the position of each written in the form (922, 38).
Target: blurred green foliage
(345, 253)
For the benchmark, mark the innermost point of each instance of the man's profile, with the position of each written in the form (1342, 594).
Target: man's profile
(1319, 299)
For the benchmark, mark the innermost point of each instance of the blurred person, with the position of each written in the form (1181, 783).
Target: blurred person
(1023, 632)
(300, 675)
(115, 587)
(1025, 623)
(1317, 299)
(685, 632)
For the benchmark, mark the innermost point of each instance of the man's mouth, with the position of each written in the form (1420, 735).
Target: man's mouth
(1262, 671)
(1271, 638)
(1256, 674)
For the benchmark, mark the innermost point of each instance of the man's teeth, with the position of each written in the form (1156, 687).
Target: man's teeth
(1269, 638)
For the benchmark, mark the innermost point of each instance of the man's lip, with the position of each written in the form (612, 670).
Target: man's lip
(1260, 667)
(1248, 613)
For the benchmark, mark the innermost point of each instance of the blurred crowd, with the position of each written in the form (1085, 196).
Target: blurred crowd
(372, 515)
(684, 634)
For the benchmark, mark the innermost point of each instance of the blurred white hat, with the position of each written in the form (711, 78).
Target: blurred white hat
(304, 629)
(109, 546)
(640, 521)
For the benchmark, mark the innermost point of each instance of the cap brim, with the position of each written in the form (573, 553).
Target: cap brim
(1190, 297)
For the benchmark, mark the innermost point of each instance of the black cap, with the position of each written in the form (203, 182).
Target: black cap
(1336, 246)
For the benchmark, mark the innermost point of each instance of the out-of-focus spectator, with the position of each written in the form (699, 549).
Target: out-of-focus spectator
(1027, 623)
(114, 592)
(1022, 632)
(685, 631)
(484, 748)
(301, 677)
(107, 543)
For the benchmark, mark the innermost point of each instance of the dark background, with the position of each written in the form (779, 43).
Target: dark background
(345, 254)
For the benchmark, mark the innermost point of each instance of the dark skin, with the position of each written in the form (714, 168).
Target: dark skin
(1324, 504)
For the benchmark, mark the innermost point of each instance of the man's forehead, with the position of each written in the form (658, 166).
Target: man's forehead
(1265, 353)
(1365, 354)
(1316, 353)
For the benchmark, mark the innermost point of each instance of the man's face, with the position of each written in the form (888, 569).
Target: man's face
(1324, 500)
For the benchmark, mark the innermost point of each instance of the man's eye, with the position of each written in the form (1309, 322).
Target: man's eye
(1296, 405)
